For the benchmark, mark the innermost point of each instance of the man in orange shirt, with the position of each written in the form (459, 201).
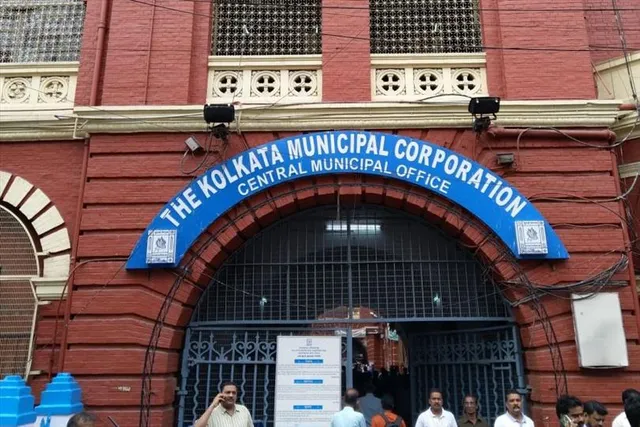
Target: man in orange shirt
(388, 418)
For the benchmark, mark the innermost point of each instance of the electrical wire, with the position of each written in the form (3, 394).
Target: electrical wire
(207, 151)
(95, 294)
(481, 47)
(385, 9)
(623, 42)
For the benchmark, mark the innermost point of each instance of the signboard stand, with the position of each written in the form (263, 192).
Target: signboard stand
(308, 380)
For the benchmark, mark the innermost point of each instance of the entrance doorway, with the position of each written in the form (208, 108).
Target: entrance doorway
(415, 309)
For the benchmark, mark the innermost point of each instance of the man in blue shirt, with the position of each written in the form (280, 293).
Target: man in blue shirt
(348, 417)
(369, 404)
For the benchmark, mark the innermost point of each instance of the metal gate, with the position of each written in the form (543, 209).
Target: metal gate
(485, 362)
(246, 356)
(310, 274)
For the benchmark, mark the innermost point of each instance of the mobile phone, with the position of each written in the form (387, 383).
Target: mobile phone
(565, 421)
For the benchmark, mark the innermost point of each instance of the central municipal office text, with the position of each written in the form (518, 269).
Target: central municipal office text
(431, 167)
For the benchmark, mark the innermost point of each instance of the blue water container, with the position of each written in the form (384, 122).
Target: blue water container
(16, 403)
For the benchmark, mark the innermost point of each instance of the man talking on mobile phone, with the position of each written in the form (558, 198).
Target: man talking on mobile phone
(224, 411)
(570, 411)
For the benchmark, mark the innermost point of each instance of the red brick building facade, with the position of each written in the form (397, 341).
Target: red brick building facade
(110, 159)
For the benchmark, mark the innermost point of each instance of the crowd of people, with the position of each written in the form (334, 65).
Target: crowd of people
(570, 410)
(373, 384)
(366, 410)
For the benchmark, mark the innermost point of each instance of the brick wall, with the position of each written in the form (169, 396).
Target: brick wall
(631, 154)
(345, 62)
(154, 55)
(520, 64)
(131, 176)
(160, 57)
(603, 29)
(53, 167)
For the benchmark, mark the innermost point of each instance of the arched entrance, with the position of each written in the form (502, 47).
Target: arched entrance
(336, 270)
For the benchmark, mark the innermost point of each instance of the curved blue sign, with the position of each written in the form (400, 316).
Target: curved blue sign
(484, 194)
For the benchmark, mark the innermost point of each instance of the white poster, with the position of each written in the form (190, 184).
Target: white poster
(308, 376)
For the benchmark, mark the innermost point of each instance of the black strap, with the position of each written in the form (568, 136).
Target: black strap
(388, 423)
(386, 420)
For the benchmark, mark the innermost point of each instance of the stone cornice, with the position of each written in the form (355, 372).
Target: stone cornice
(267, 61)
(318, 116)
(627, 126)
(620, 61)
(429, 60)
(629, 170)
(21, 68)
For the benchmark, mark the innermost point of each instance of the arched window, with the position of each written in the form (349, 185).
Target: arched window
(18, 302)
(34, 266)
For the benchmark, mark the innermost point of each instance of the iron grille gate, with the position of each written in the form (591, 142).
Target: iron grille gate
(246, 356)
(310, 274)
(485, 362)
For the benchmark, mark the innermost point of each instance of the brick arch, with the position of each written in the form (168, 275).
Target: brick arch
(247, 219)
(47, 228)
(244, 221)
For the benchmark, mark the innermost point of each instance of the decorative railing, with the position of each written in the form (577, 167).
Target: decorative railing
(265, 79)
(37, 86)
(419, 77)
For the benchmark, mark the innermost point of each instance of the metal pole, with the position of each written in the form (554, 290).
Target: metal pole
(349, 366)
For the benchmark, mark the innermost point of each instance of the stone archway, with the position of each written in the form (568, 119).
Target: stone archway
(233, 229)
(48, 231)
(35, 258)
(333, 260)
(246, 219)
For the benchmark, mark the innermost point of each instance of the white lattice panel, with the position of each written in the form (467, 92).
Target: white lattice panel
(440, 77)
(37, 86)
(272, 80)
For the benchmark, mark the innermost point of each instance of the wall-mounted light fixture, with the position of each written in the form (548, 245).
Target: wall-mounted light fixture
(481, 109)
(219, 113)
(218, 117)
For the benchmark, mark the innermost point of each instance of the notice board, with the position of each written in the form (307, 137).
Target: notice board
(308, 380)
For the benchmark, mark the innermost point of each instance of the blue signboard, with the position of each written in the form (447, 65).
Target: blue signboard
(450, 175)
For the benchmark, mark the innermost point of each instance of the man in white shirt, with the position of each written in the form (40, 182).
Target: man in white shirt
(514, 416)
(436, 416)
(348, 417)
(622, 420)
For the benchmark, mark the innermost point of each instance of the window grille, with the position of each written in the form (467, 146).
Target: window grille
(266, 27)
(18, 303)
(425, 26)
(301, 270)
(40, 30)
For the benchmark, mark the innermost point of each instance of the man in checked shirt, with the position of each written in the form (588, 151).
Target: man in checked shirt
(224, 411)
